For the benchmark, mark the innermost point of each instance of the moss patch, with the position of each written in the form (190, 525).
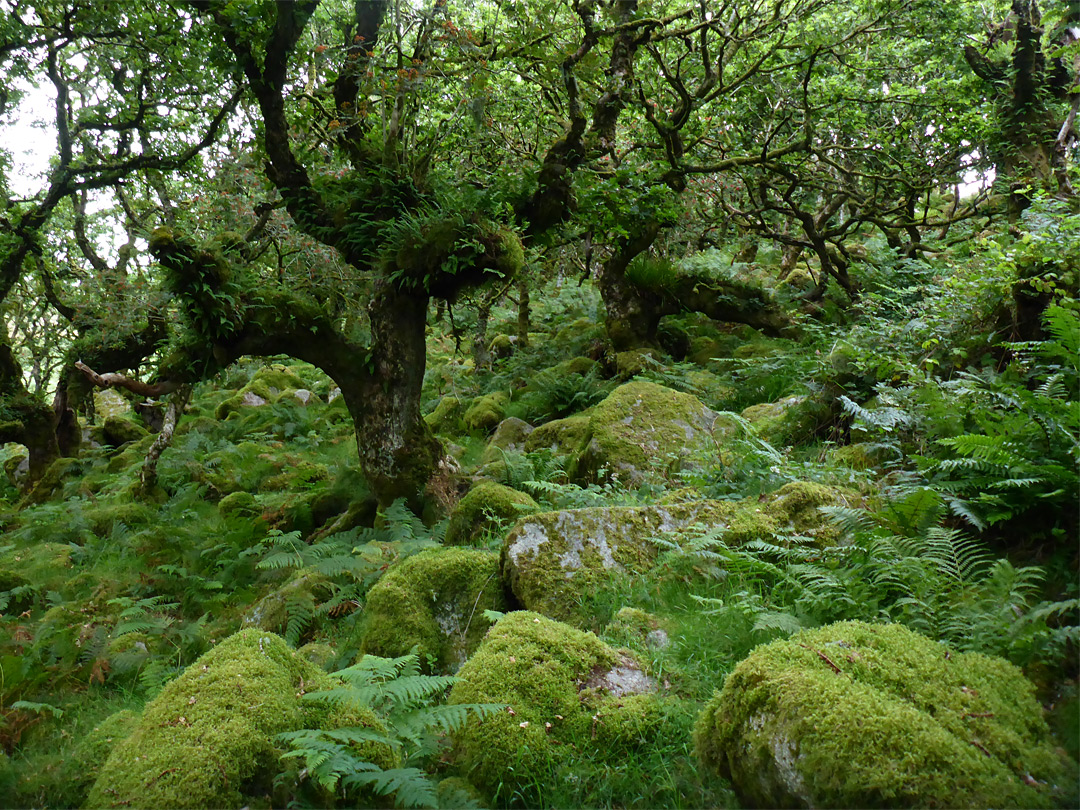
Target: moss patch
(446, 418)
(562, 687)
(789, 420)
(434, 600)
(487, 507)
(119, 430)
(554, 562)
(904, 723)
(486, 412)
(640, 429)
(210, 733)
(561, 436)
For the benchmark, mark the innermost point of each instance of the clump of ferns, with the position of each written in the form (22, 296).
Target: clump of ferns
(407, 703)
(904, 567)
(351, 561)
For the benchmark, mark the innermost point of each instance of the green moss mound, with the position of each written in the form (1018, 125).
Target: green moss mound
(94, 749)
(563, 687)
(562, 437)
(555, 562)
(267, 385)
(863, 715)
(486, 412)
(642, 429)
(210, 733)
(485, 509)
(435, 601)
(119, 430)
(446, 418)
(788, 421)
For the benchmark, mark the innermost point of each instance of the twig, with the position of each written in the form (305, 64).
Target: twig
(825, 658)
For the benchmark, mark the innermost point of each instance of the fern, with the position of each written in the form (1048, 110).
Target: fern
(405, 700)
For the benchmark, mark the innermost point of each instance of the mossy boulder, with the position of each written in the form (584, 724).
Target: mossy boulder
(555, 562)
(279, 378)
(212, 732)
(51, 481)
(863, 715)
(446, 418)
(562, 437)
(486, 508)
(434, 600)
(240, 504)
(82, 769)
(509, 437)
(789, 420)
(704, 349)
(267, 385)
(103, 517)
(578, 336)
(635, 361)
(485, 413)
(110, 402)
(561, 686)
(16, 468)
(502, 346)
(131, 454)
(119, 430)
(643, 428)
(290, 609)
(638, 628)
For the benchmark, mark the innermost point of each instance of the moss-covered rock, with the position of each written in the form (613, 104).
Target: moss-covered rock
(446, 418)
(561, 686)
(861, 715)
(502, 346)
(486, 412)
(562, 437)
(267, 385)
(635, 361)
(211, 732)
(704, 349)
(131, 454)
(509, 437)
(119, 430)
(290, 609)
(242, 504)
(486, 507)
(555, 562)
(638, 628)
(643, 428)
(110, 402)
(103, 517)
(789, 420)
(434, 600)
(53, 479)
(82, 769)
(579, 335)
(16, 467)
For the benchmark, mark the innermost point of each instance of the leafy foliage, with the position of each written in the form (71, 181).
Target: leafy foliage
(405, 700)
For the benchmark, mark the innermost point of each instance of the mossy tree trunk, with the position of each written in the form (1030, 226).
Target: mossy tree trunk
(634, 309)
(24, 419)
(1033, 144)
